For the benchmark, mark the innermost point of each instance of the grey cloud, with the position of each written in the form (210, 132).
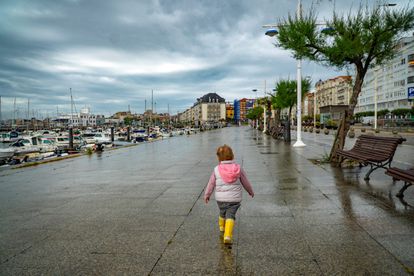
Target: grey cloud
(112, 53)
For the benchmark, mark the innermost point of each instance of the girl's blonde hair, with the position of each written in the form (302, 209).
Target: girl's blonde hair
(225, 153)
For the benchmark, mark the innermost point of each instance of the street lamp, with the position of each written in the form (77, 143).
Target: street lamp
(255, 103)
(299, 142)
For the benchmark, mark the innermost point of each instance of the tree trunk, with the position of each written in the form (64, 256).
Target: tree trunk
(345, 123)
(277, 117)
(287, 136)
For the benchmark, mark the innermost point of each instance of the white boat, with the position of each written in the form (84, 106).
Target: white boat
(62, 142)
(44, 143)
(89, 137)
(23, 147)
(9, 137)
(6, 154)
(102, 138)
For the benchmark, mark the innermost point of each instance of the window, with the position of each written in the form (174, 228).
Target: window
(410, 79)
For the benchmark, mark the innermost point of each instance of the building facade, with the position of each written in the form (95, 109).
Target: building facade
(229, 111)
(210, 109)
(308, 105)
(335, 91)
(241, 108)
(390, 82)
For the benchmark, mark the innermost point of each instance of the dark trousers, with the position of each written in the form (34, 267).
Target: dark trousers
(228, 210)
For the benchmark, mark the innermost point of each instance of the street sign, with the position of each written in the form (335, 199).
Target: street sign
(410, 93)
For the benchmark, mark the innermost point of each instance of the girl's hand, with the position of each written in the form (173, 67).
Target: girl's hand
(252, 195)
(206, 200)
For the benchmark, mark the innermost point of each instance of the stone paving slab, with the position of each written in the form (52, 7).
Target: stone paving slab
(139, 211)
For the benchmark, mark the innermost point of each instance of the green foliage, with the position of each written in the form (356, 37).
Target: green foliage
(383, 112)
(128, 121)
(367, 37)
(255, 113)
(331, 124)
(307, 118)
(89, 151)
(285, 95)
(364, 114)
(263, 101)
(402, 112)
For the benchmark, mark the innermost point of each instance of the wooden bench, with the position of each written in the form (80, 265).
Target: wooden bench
(404, 175)
(375, 151)
(277, 131)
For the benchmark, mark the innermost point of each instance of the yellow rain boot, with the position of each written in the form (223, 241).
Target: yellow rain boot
(228, 231)
(221, 224)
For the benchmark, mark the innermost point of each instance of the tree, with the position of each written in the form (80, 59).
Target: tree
(286, 97)
(383, 113)
(401, 112)
(361, 40)
(128, 121)
(255, 113)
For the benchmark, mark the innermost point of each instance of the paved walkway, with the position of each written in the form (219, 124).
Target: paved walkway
(139, 211)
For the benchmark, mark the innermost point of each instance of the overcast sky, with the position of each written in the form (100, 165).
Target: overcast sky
(112, 53)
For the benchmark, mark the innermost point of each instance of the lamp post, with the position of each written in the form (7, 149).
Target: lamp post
(255, 103)
(314, 109)
(299, 142)
(264, 110)
(375, 99)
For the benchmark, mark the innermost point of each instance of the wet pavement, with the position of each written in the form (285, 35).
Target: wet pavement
(139, 211)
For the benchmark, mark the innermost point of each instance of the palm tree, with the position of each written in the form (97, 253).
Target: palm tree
(286, 97)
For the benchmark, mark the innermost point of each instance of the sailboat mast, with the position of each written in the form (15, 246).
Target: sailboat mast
(28, 114)
(169, 117)
(152, 100)
(71, 107)
(14, 112)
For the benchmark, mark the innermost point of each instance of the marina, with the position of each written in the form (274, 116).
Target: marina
(25, 147)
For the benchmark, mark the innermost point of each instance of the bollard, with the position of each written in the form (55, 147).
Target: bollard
(70, 138)
(129, 134)
(112, 134)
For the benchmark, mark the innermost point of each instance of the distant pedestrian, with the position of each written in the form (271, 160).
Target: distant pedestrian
(227, 179)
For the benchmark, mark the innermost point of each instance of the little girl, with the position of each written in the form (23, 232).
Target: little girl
(228, 179)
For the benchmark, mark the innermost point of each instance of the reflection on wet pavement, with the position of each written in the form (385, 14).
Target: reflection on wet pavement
(139, 211)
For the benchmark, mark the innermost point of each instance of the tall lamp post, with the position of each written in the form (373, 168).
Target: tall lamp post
(271, 33)
(264, 109)
(255, 103)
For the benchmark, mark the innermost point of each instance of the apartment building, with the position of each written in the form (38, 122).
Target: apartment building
(229, 111)
(391, 82)
(335, 91)
(241, 108)
(209, 109)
